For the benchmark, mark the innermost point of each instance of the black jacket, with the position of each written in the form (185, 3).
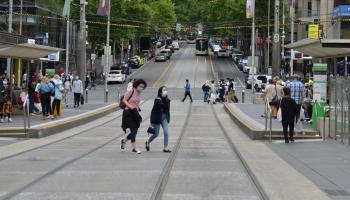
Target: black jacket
(131, 119)
(31, 89)
(289, 110)
(160, 107)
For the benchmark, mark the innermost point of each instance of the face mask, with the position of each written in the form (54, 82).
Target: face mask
(140, 90)
(164, 93)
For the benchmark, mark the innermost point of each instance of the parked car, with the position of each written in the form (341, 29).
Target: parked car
(161, 57)
(216, 49)
(122, 66)
(116, 76)
(133, 63)
(260, 81)
(171, 47)
(176, 45)
(168, 52)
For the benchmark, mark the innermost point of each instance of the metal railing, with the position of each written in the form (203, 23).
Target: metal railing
(26, 116)
(268, 116)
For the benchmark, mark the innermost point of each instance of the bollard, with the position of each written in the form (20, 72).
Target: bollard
(106, 96)
(242, 96)
(86, 95)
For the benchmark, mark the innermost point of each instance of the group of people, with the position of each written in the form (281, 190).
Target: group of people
(131, 121)
(223, 92)
(47, 94)
(294, 99)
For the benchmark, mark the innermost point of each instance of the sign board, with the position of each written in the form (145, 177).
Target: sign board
(93, 56)
(320, 82)
(276, 38)
(250, 7)
(341, 11)
(55, 57)
(31, 41)
(313, 31)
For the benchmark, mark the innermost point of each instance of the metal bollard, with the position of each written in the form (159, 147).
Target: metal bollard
(86, 95)
(106, 99)
(242, 96)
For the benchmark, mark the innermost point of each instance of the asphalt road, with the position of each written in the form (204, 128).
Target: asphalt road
(86, 162)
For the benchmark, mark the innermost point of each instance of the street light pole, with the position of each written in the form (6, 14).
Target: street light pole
(107, 51)
(276, 48)
(253, 46)
(268, 35)
(292, 38)
(67, 47)
(9, 75)
(82, 41)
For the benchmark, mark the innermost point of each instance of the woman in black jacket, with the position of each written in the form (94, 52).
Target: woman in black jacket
(288, 111)
(160, 115)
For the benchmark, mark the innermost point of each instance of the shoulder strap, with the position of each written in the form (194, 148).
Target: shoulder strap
(131, 95)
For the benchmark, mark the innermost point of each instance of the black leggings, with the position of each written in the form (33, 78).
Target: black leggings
(77, 99)
(132, 135)
(46, 104)
(56, 105)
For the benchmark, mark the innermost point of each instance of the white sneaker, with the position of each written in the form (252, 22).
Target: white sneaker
(10, 120)
(6, 118)
(136, 151)
(2, 120)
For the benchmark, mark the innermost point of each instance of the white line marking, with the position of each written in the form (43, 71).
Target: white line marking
(205, 60)
(240, 81)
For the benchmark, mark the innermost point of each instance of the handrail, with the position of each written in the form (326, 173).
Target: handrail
(26, 119)
(268, 113)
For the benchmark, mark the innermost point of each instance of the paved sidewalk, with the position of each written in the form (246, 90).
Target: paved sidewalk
(326, 164)
(95, 101)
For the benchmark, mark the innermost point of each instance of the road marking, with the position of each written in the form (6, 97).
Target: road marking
(240, 82)
(197, 60)
(205, 60)
(166, 69)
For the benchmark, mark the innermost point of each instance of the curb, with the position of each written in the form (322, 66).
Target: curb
(50, 128)
(256, 131)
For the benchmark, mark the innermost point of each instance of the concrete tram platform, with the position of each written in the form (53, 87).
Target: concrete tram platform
(248, 118)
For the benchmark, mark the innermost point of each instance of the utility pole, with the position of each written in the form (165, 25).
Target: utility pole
(121, 50)
(253, 46)
(276, 47)
(292, 38)
(82, 42)
(67, 46)
(268, 35)
(107, 51)
(9, 75)
(20, 60)
(283, 29)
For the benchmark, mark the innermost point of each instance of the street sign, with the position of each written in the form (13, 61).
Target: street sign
(276, 38)
(313, 31)
(93, 56)
(54, 57)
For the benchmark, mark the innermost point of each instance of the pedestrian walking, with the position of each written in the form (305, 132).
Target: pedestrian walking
(77, 87)
(160, 116)
(213, 93)
(87, 80)
(5, 102)
(67, 91)
(206, 91)
(270, 95)
(221, 90)
(288, 112)
(45, 89)
(187, 91)
(131, 117)
(307, 103)
(57, 97)
(296, 93)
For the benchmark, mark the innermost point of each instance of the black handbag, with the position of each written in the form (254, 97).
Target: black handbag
(151, 129)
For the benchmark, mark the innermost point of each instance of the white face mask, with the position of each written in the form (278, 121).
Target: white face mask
(164, 93)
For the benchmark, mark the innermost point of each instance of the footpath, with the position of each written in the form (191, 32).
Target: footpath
(310, 168)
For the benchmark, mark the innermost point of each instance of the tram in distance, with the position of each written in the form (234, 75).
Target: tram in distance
(202, 44)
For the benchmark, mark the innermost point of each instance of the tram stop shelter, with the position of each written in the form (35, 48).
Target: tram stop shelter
(26, 51)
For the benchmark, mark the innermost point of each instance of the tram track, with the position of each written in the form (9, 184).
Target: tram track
(161, 185)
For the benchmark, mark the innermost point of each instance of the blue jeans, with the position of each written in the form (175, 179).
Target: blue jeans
(31, 105)
(206, 96)
(165, 126)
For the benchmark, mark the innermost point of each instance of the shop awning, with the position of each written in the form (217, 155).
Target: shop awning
(28, 51)
(318, 49)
